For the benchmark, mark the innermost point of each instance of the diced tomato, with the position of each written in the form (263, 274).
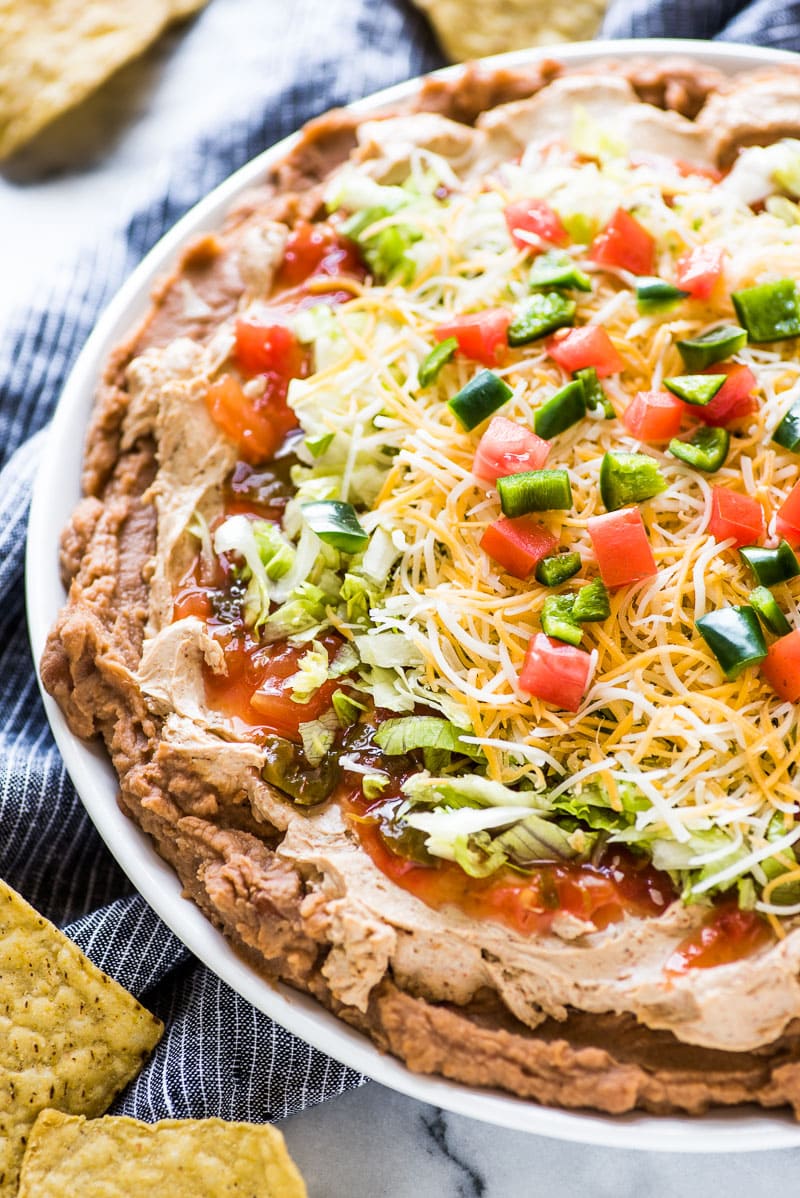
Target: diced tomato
(788, 522)
(480, 336)
(256, 690)
(575, 349)
(269, 349)
(536, 218)
(621, 547)
(781, 666)
(687, 169)
(654, 416)
(315, 249)
(555, 672)
(734, 399)
(257, 426)
(699, 270)
(517, 544)
(508, 448)
(735, 515)
(624, 243)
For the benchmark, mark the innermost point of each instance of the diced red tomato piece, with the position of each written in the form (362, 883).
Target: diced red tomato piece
(316, 249)
(699, 270)
(555, 672)
(788, 522)
(508, 448)
(728, 934)
(517, 544)
(654, 416)
(575, 349)
(624, 243)
(257, 426)
(621, 547)
(735, 515)
(734, 399)
(536, 218)
(781, 666)
(480, 336)
(269, 348)
(687, 169)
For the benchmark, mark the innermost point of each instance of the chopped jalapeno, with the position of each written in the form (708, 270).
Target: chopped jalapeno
(766, 605)
(557, 269)
(543, 313)
(787, 433)
(439, 356)
(698, 389)
(591, 603)
(771, 566)
(769, 311)
(534, 491)
(706, 449)
(336, 524)
(655, 295)
(552, 571)
(561, 411)
(479, 398)
(558, 621)
(715, 346)
(734, 636)
(629, 478)
(593, 393)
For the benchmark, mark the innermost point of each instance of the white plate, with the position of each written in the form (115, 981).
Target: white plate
(57, 490)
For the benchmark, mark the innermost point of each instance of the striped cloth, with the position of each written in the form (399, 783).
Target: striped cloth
(763, 22)
(219, 1056)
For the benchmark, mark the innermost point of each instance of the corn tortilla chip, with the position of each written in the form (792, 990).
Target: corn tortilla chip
(183, 1158)
(53, 53)
(472, 28)
(70, 1037)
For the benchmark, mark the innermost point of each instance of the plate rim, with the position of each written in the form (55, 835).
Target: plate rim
(95, 781)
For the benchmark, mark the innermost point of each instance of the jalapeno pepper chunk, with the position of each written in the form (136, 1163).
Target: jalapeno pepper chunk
(629, 478)
(534, 491)
(714, 346)
(697, 389)
(771, 615)
(543, 313)
(734, 636)
(706, 449)
(771, 566)
(787, 434)
(560, 411)
(769, 311)
(479, 399)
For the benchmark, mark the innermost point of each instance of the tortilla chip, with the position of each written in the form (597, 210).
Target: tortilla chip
(473, 28)
(184, 1158)
(70, 1037)
(53, 53)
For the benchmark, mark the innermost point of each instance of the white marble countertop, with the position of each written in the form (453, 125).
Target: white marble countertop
(68, 187)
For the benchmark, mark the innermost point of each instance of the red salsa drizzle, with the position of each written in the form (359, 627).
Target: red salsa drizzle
(727, 935)
(602, 893)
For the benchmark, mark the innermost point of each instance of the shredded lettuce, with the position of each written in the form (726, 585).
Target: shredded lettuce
(305, 610)
(347, 708)
(470, 790)
(318, 737)
(312, 672)
(592, 138)
(387, 649)
(399, 736)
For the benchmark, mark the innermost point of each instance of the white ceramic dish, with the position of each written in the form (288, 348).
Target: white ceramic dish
(56, 492)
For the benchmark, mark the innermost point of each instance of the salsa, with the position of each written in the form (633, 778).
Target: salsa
(727, 935)
(603, 893)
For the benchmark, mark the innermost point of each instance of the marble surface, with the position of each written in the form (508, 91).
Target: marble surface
(371, 1142)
